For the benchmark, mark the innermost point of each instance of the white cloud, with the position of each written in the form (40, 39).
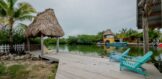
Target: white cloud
(90, 16)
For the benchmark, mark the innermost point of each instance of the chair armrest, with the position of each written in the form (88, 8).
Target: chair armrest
(130, 58)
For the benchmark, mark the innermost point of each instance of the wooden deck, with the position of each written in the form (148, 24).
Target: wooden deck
(84, 67)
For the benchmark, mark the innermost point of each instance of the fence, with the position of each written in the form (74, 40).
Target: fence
(17, 47)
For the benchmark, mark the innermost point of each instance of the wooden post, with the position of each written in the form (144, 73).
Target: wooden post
(57, 48)
(145, 34)
(42, 45)
(28, 44)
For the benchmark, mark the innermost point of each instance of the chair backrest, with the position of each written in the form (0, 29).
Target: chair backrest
(144, 59)
(125, 53)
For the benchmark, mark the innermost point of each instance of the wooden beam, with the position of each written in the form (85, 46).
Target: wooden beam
(28, 44)
(145, 35)
(42, 45)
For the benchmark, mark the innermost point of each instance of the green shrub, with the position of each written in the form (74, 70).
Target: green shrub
(2, 69)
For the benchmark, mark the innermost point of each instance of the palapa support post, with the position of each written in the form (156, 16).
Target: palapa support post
(57, 48)
(145, 35)
(42, 45)
(28, 44)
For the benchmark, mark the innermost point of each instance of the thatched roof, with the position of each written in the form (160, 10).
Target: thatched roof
(107, 32)
(45, 23)
(154, 19)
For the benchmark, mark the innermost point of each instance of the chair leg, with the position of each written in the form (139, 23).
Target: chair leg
(120, 68)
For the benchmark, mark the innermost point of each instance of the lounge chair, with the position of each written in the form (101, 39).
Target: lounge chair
(117, 56)
(136, 65)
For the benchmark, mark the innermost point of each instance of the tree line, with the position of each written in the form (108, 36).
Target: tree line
(128, 35)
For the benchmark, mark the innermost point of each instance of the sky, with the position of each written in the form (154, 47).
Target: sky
(90, 16)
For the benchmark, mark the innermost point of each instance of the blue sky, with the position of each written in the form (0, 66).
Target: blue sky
(90, 16)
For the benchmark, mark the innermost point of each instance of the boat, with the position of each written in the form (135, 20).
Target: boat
(117, 44)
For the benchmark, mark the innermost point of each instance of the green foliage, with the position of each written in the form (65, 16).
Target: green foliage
(18, 37)
(84, 39)
(4, 35)
(17, 71)
(36, 40)
(12, 11)
(72, 40)
(2, 69)
(154, 34)
(21, 12)
(14, 71)
(52, 41)
(134, 34)
(54, 69)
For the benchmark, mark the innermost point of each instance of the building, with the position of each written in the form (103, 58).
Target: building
(155, 18)
(108, 36)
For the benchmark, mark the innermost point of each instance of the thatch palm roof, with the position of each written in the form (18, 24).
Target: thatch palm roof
(45, 23)
(107, 32)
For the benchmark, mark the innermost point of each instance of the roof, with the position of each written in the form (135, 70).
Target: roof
(155, 18)
(45, 23)
(107, 32)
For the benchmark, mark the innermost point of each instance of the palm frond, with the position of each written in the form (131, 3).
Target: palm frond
(25, 17)
(2, 13)
(23, 10)
(26, 7)
(3, 5)
(11, 3)
(24, 26)
(3, 21)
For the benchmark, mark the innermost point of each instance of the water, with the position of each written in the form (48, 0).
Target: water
(103, 51)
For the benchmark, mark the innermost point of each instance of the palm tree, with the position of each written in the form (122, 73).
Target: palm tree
(12, 12)
(124, 30)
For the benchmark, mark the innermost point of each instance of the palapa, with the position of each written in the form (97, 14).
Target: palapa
(46, 24)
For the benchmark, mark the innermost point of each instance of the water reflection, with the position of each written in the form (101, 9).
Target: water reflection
(103, 51)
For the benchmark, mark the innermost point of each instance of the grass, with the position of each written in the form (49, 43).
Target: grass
(54, 70)
(27, 70)
(18, 71)
(2, 69)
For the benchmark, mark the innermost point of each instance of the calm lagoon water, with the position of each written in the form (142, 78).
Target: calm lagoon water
(103, 51)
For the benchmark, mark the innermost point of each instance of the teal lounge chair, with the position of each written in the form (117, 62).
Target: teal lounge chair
(136, 66)
(117, 56)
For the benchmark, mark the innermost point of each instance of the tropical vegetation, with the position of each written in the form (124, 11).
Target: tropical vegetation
(11, 11)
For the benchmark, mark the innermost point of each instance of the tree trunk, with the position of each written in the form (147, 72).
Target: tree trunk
(145, 34)
(11, 22)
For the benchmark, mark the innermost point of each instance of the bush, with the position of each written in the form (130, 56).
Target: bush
(52, 41)
(2, 69)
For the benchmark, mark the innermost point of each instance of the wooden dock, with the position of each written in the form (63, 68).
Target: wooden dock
(83, 67)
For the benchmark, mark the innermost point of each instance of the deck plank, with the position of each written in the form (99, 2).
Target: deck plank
(84, 67)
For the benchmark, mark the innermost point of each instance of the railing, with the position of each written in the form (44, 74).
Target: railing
(17, 47)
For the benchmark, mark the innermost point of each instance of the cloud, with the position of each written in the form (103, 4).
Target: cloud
(90, 16)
